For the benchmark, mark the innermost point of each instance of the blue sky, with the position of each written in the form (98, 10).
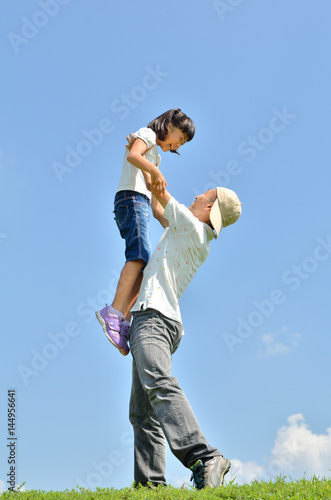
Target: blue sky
(254, 363)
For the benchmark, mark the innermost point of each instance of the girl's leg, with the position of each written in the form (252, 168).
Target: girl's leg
(132, 212)
(132, 297)
(127, 284)
(110, 317)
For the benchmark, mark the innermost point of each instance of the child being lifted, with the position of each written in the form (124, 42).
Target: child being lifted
(140, 180)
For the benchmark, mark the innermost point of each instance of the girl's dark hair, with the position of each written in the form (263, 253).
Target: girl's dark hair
(178, 119)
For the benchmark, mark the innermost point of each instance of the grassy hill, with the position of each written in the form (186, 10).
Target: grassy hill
(304, 489)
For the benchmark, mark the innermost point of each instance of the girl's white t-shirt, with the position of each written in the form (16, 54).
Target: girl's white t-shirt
(132, 178)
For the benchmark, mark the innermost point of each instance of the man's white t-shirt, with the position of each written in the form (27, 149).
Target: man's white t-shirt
(183, 247)
(132, 178)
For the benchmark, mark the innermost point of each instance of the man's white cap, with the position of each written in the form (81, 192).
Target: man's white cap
(226, 209)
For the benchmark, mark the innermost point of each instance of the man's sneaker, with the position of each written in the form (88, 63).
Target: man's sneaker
(210, 473)
(111, 325)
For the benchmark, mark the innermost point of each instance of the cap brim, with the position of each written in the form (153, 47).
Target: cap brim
(216, 217)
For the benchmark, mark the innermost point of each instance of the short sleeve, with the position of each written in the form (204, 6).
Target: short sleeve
(180, 217)
(147, 135)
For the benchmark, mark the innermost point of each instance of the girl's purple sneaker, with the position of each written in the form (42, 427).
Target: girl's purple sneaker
(112, 326)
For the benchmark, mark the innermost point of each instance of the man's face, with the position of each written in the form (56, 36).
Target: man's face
(204, 199)
(202, 205)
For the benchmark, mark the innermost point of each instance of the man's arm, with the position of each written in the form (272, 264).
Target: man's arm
(158, 212)
(163, 198)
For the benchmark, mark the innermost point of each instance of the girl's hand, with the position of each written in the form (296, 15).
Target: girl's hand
(130, 140)
(158, 183)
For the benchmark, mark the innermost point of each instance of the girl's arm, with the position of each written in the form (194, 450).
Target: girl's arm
(147, 178)
(158, 212)
(137, 159)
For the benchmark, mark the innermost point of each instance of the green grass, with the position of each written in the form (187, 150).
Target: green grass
(312, 489)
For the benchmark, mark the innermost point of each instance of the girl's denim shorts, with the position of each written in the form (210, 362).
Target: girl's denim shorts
(132, 211)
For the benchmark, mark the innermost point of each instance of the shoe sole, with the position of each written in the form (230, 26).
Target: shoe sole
(103, 324)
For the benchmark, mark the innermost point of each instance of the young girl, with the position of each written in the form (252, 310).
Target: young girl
(140, 179)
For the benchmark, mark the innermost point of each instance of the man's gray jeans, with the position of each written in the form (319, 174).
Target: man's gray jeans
(158, 406)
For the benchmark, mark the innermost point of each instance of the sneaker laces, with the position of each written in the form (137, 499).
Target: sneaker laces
(198, 474)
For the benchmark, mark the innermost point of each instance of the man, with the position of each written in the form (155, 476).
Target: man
(159, 409)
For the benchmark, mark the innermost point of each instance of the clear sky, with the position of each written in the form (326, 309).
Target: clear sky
(76, 78)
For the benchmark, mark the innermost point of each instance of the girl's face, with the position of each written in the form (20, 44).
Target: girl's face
(174, 140)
